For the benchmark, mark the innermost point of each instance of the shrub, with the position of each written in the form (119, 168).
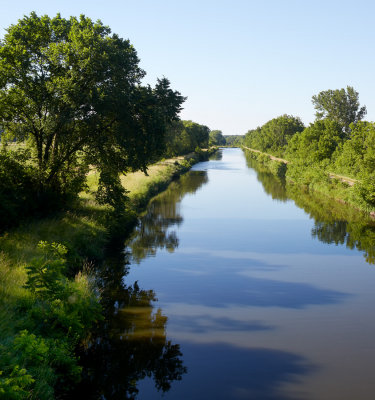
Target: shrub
(60, 313)
(366, 189)
(14, 386)
(18, 188)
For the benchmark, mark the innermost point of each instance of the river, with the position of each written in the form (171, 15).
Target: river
(235, 286)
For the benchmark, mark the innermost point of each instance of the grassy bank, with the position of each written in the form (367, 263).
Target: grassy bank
(48, 300)
(315, 178)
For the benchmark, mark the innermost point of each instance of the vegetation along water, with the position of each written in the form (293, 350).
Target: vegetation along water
(251, 276)
(237, 286)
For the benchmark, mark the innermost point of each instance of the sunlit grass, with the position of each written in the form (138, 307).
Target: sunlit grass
(82, 230)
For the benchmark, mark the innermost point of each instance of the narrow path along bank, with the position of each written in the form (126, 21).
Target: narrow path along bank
(338, 187)
(249, 279)
(268, 155)
(346, 179)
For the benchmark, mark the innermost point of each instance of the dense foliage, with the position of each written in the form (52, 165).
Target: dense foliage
(72, 91)
(274, 135)
(184, 137)
(217, 138)
(17, 186)
(334, 222)
(339, 105)
(71, 101)
(59, 314)
(315, 143)
(337, 144)
(233, 140)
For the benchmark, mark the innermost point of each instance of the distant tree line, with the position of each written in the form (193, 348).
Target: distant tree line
(334, 222)
(274, 135)
(338, 142)
(233, 140)
(71, 101)
(183, 137)
(71, 94)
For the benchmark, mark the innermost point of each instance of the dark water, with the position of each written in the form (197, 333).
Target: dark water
(239, 288)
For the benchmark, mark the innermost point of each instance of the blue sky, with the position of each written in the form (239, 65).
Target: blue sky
(240, 63)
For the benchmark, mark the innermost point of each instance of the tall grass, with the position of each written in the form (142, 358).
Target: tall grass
(83, 230)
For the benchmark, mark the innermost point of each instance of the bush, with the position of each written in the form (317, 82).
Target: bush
(278, 168)
(60, 313)
(18, 188)
(22, 195)
(366, 189)
(15, 385)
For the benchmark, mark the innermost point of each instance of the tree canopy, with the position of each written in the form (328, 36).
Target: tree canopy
(233, 140)
(274, 135)
(340, 105)
(183, 137)
(72, 90)
(315, 143)
(216, 138)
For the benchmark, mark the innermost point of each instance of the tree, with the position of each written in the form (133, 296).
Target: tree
(234, 140)
(356, 156)
(339, 105)
(274, 135)
(278, 131)
(73, 91)
(216, 138)
(199, 134)
(184, 137)
(315, 143)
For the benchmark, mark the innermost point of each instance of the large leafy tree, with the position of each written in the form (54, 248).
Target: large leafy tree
(340, 105)
(274, 135)
(315, 143)
(73, 91)
(356, 156)
(184, 137)
(216, 138)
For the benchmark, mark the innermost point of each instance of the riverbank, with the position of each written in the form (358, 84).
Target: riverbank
(340, 188)
(56, 310)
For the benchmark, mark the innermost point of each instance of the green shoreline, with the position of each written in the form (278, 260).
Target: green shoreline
(85, 233)
(338, 188)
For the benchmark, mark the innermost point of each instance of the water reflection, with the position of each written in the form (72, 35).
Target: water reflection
(334, 222)
(162, 213)
(272, 185)
(225, 282)
(130, 344)
(253, 306)
(218, 155)
(338, 223)
(206, 323)
(260, 310)
(257, 374)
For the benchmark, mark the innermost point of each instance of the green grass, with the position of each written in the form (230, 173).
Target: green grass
(82, 229)
(318, 181)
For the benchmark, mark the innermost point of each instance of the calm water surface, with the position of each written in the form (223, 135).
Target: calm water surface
(241, 288)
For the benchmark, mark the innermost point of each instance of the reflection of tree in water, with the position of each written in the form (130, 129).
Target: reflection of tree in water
(332, 232)
(130, 344)
(162, 213)
(334, 222)
(272, 185)
(217, 156)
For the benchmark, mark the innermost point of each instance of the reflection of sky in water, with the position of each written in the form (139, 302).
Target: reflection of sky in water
(233, 192)
(256, 303)
(235, 373)
(220, 282)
